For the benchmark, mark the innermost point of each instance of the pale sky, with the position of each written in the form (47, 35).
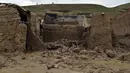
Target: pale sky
(108, 3)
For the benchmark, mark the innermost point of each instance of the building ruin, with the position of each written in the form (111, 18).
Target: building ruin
(16, 32)
(20, 32)
(69, 27)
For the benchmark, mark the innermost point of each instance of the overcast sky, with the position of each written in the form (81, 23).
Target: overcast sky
(108, 3)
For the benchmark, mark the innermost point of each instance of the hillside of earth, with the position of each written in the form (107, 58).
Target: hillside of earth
(76, 8)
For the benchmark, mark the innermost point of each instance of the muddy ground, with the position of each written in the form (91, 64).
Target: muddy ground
(66, 56)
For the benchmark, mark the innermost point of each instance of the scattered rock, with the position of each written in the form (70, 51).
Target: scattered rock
(76, 50)
(53, 46)
(125, 57)
(99, 49)
(110, 53)
(23, 58)
(56, 66)
(51, 66)
(2, 65)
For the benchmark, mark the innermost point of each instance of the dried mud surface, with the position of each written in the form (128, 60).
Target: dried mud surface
(66, 56)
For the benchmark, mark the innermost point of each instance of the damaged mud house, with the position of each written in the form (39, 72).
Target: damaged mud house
(16, 31)
(57, 27)
(60, 42)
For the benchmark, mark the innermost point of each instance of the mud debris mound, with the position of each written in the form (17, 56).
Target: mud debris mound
(66, 47)
(62, 43)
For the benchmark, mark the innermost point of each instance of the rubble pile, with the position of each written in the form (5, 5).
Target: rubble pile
(62, 45)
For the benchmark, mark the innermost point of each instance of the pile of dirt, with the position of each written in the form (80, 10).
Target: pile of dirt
(66, 47)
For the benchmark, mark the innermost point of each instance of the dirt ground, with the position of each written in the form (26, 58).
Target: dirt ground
(59, 57)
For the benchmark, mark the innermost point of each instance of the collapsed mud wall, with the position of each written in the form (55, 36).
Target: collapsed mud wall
(16, 32)
(54, 32)
(100, 32)
(12, 31)
(34, 41)
(121, 30)
(63, 27)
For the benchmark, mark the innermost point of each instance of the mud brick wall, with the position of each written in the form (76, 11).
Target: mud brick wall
(100, 32)
(56, 32)
(121, 29)
(12, 33)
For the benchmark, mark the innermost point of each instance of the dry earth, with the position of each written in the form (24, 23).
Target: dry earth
(59, 57)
